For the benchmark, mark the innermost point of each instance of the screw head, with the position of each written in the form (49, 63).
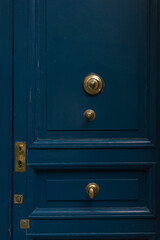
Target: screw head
(18, 199)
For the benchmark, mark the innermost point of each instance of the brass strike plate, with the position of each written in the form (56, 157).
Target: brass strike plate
(20, 157)
(24, 223)
(18, 199)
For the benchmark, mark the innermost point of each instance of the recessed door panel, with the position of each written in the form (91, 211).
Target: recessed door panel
(92, 36)
(76, 38)
(121, 190)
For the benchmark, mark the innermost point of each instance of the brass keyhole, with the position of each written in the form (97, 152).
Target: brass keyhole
(19, 163)
(20, 148)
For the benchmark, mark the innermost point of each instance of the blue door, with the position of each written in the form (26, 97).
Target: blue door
(86, 120)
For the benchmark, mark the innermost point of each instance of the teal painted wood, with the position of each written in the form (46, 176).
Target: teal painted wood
(63, 152)
(20, 92)
(44, 23)
(6, 20)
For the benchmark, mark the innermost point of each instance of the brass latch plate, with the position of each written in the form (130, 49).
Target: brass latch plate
(24, 223)
(20, 157)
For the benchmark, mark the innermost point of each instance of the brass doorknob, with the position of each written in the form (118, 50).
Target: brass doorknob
(93, 84)
(92, 190)
(89, 115)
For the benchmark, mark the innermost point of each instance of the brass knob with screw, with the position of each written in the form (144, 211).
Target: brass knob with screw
(93, 84)
(89, 115)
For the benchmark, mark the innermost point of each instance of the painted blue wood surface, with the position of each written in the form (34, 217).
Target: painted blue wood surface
(56, 43)
(137, 90)
(20, 78)
(6, 19)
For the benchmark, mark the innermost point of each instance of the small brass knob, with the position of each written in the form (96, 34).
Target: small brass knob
(89, 115)
(93, 84)
(92, 190)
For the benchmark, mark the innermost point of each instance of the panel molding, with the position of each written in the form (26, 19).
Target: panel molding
(118, 236)
(90, 143)
(93, 165)
(49, 213)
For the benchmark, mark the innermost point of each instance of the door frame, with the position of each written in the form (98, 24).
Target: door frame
(6, 67)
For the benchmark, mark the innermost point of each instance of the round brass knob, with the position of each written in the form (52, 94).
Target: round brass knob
(92, 190)
(89, 115)
(93, 84)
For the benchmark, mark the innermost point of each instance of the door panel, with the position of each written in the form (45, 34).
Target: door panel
(74, 189)
(117, 45)
(57, 43)
(123, 190)
(99, 41)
